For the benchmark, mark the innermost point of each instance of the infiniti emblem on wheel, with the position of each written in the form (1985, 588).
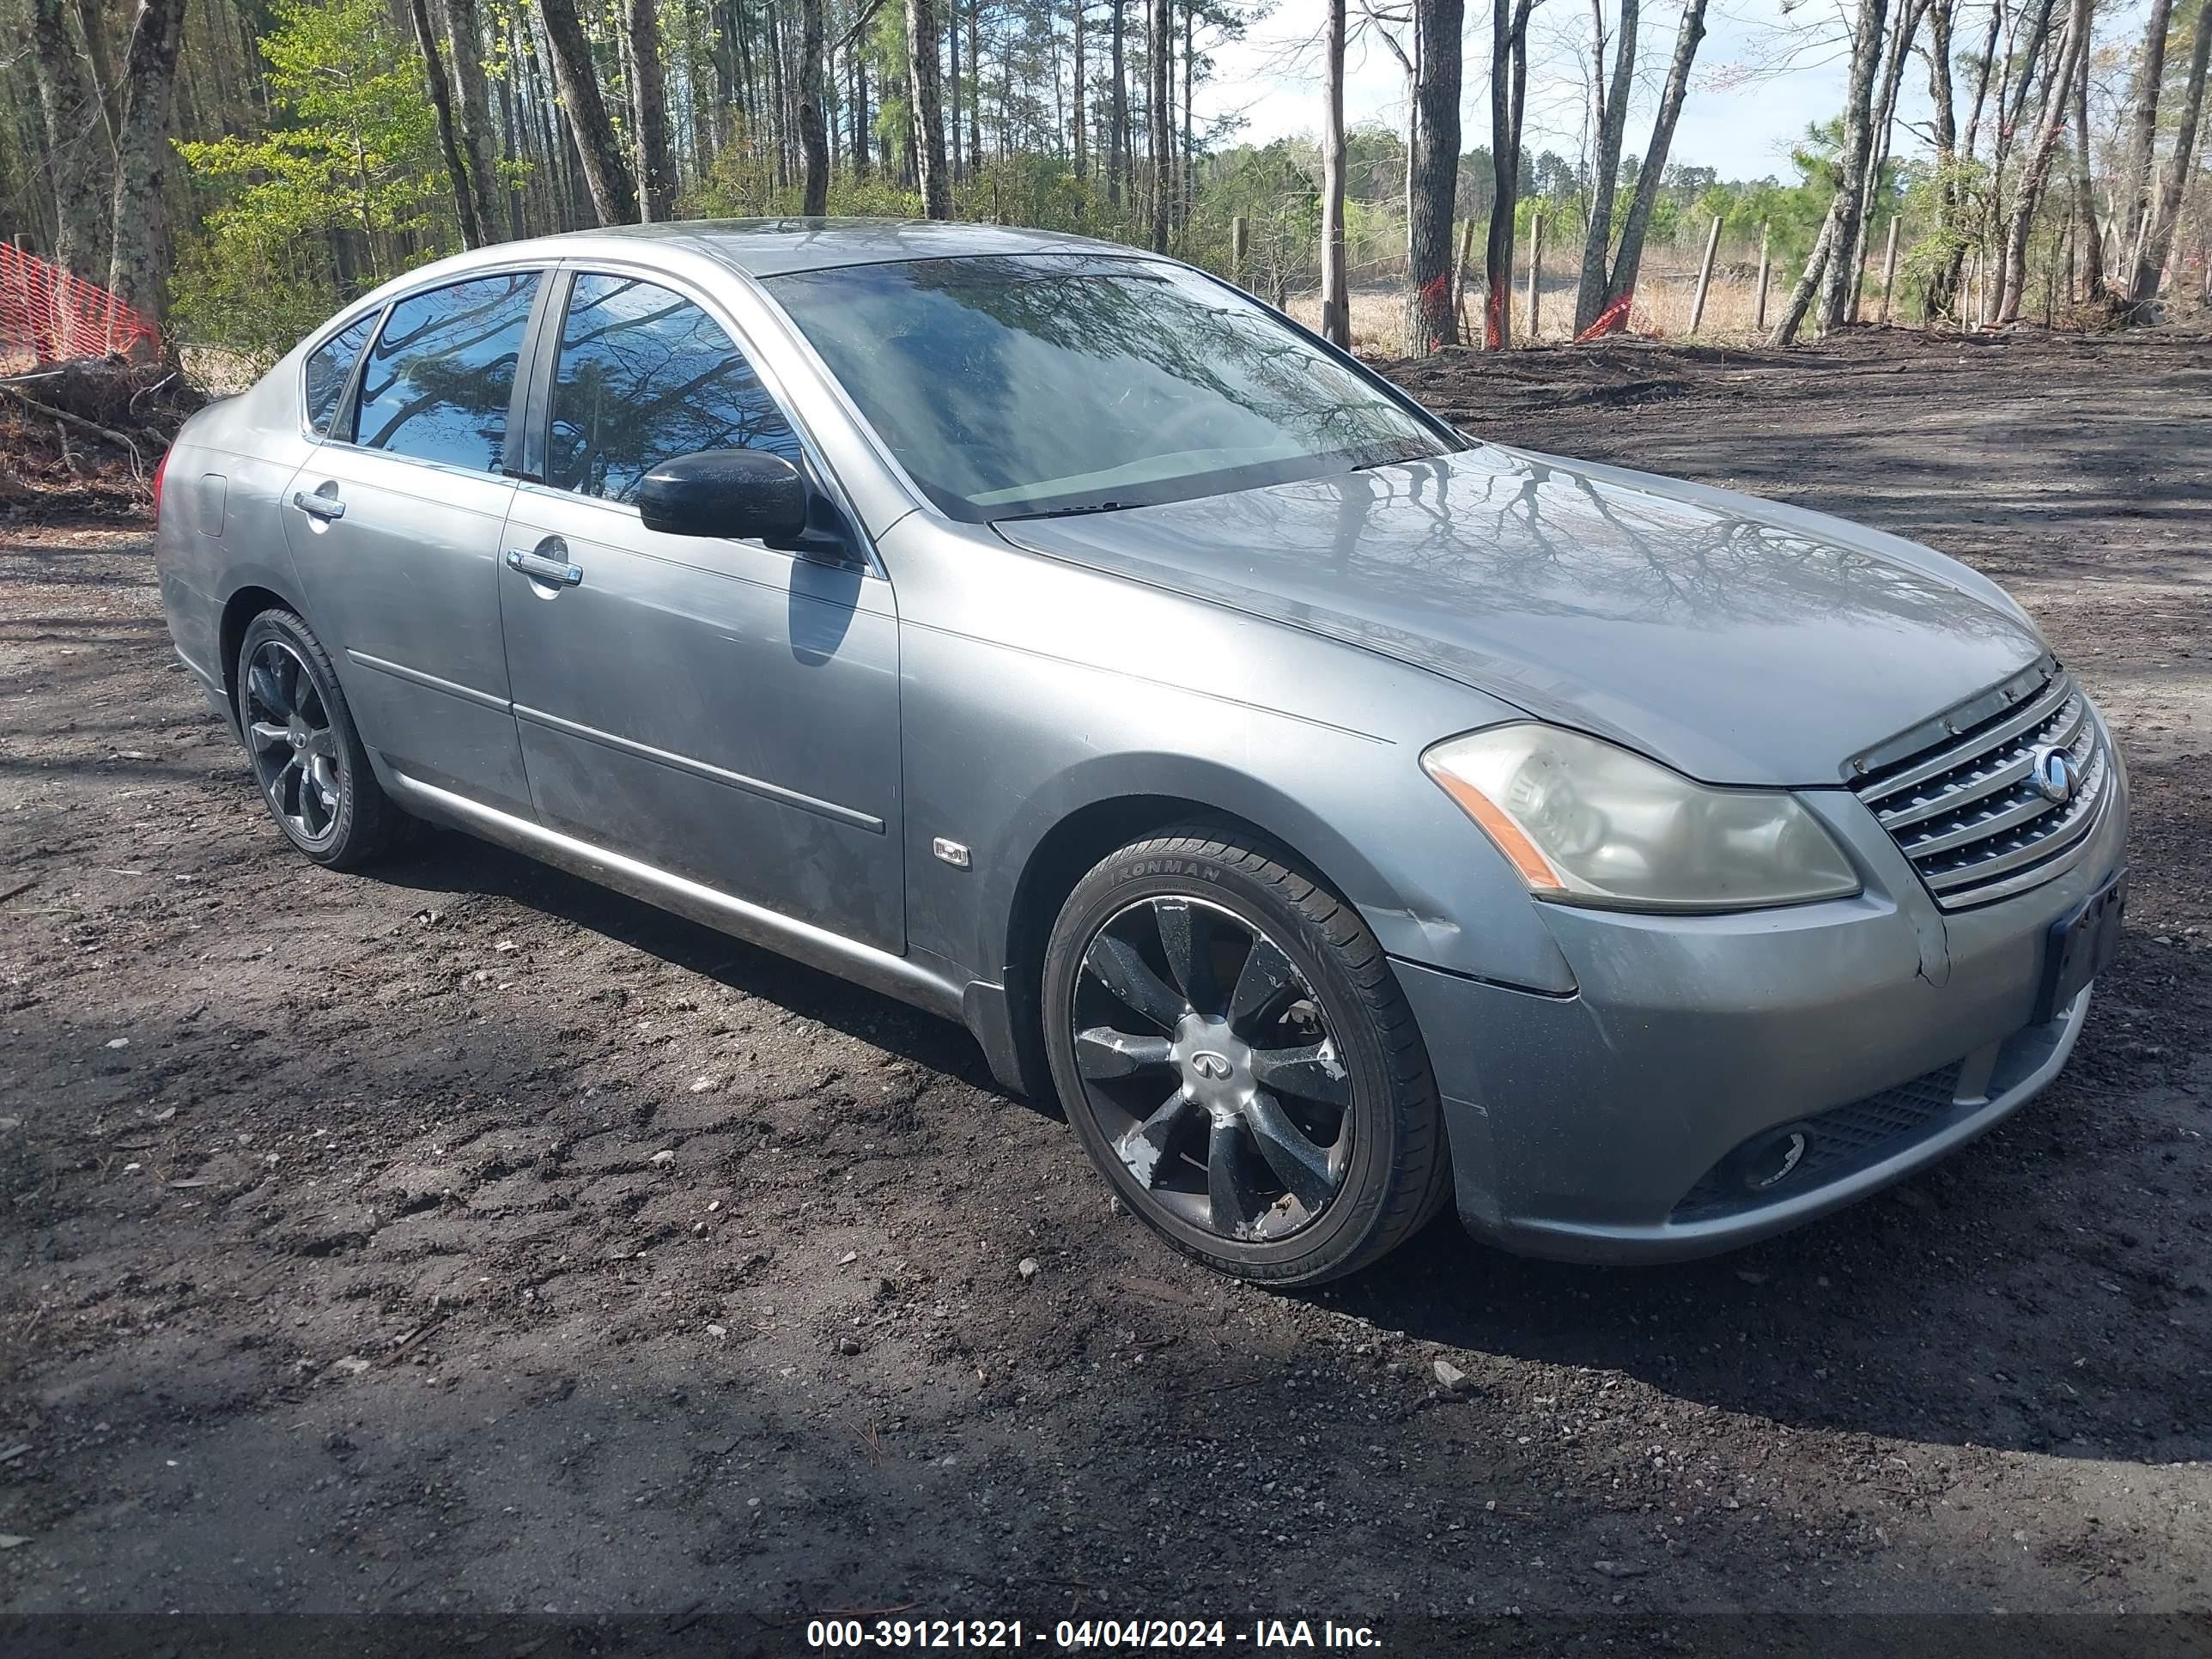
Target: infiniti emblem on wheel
(2054, 774)
(1210, 1065)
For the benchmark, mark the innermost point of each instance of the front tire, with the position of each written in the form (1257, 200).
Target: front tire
(307, 758)
(1236, 1056)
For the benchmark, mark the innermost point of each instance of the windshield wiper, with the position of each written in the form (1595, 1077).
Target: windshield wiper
(1070, 512)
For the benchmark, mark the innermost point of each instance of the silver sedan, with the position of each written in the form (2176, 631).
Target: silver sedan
(1341, 814)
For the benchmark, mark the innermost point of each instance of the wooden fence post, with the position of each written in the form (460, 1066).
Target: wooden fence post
(1889, 268)
(1766, 267)
(1459, 280)
(1705, 274)
(1240, 232)
(1536, 272)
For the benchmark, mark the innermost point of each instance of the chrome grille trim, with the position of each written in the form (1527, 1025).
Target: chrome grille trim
(1964, 810)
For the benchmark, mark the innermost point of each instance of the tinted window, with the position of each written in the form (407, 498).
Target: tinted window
(644, 375)
(440, 375)
(329, 367)
(1041, 383)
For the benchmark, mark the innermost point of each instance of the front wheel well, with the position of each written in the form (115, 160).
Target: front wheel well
(238, 611)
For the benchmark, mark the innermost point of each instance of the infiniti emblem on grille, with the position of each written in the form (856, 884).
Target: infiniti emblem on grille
(1210, 1065)
(2054, 774)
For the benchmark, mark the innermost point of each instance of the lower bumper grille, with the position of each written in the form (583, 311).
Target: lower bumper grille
(1993, 797)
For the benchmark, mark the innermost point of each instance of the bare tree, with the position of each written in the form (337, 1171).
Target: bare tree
(2133, 192)
(1827, 270)
(1159, 45)
(1082, 94)
(68, 111)
(1117, 150)
(2035, 172)
(1901, 35)
(2094, 285)
(1335, 294)
(464, 30)
(927, 113)
(2158, 240)
(1622, 283)
(1433, 168)
(607, 174)
(1509, 87)
(656, 171)
(136, 270)
(813, 131)
(441, 103)
(1605, 165)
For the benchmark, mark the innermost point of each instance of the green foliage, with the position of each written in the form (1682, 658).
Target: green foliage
(345, 189)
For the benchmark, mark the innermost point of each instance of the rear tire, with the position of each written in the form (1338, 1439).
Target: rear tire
(1235, 1056)
(308, 757)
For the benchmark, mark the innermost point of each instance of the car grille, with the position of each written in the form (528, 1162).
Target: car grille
(1960, 797)
(1840, 1140)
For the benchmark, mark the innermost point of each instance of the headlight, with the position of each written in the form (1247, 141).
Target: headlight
(1586, 822)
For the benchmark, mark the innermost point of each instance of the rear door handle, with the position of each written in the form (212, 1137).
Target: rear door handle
(318, 506)
(539, 568)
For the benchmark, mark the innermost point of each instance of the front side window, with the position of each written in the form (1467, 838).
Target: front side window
(644, 375)
(1014, 384)
(329, 366)
(440, 375)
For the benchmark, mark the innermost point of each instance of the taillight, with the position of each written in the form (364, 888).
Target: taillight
(160, 467)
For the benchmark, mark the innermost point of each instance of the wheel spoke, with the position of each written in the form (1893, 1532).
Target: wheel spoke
(1233, 1204)
(1313, 1073)
(1116, 965)
(322, 744)
(1266, 976)
(284, 786)
(269, 733)
(1299, 1164)
(1144, 1147)
(1186, 938)
(1102, 1053)
(263, 685)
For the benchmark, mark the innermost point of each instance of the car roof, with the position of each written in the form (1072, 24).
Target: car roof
(774, 247)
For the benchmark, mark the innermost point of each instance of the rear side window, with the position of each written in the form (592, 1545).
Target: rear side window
(439, 377)
(644, 375)
(329, 366)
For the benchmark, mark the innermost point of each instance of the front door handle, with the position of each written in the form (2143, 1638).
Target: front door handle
(318, 506)
(539, 568)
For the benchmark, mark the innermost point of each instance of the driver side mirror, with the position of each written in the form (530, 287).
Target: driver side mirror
(745, 494)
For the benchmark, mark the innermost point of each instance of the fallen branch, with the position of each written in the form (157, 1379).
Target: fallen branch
(137, 460)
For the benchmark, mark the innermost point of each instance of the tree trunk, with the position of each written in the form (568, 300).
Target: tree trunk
(2094, 285)
(952, 88)
(2134, 188)
(813, 131)
(1622, 283)
(1885, 117)
(1335, 296)
(2027, 195)
(1801, 297)
(859, 114)
(1943, 281)
(2158, 240)
(975, 105)
(464, 31)
(1848, 211)
(606, 175)
(1080, 95)
(1509, 81)
(1117, 151)
(442, 102)
(1605, 167)
(1435, 166)
(656, 172)
(68, 111)
(1189, 131)
(138, 267)
(927, 113)
(1159, 45)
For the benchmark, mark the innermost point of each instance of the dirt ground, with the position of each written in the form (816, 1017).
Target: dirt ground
(464, 1239)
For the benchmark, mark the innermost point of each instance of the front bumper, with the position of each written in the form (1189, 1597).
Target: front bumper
(1588, 1127)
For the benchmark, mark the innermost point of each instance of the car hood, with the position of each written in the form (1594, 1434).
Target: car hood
(1738, 640)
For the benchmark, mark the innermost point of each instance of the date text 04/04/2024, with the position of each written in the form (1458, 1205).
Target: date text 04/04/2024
(1074, 1635)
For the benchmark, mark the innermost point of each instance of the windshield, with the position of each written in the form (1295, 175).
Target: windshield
(1015, 386)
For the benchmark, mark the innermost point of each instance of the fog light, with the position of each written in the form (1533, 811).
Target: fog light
(1760, 1166)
